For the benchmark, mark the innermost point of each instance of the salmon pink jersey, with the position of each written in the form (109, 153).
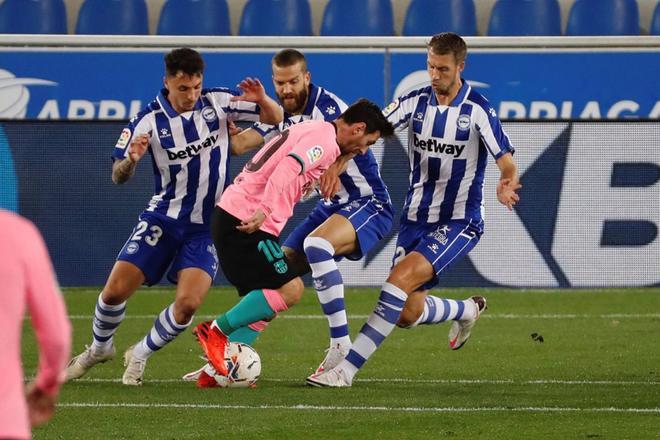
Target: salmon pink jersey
(281, 172)
(28, 284)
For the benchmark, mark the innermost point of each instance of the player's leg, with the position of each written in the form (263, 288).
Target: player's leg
(253, 263)
(406, 277)
(125, 278)
(336, 236)
(193, 271)
(445, 246)
(351, 232)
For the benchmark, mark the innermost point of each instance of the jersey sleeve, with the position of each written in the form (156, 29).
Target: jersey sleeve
(313, 153)
(267, 131)
(491, 132)
(329, 106)
(47, 311)
(137, 125)
(398, 112)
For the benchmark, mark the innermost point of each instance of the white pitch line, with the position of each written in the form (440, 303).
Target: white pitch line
(424, 381)
(449, 409)
(487, 316)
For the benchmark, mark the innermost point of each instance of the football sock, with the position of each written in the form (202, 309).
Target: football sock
(247, 334)
(437, 310)
(329, 287)
(164, 330)
(106, 320)
(258, 305)
(380, 324)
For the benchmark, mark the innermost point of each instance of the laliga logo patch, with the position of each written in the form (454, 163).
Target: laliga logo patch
(315, 153)
(391, 107)
(123, 138)
(463, 122)
(209, 114)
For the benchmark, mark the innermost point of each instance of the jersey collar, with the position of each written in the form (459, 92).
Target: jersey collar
(458, 99)
(311, 99)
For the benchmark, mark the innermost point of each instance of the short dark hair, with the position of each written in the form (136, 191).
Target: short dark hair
(366, 111)
(289, 57)
(446, 43)
(185, 60)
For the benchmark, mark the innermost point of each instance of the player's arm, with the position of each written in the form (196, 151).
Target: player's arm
(329, 182)
(246, 140)
(52, 327)
(123, 169)
(270, 111)
(508, 184)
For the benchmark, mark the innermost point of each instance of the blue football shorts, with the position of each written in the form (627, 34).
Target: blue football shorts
(442, 244)
(158, 243)
(371, 219)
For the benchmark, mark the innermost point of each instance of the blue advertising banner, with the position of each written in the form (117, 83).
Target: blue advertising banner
(116, 85)
(521, 85)
(568, 85)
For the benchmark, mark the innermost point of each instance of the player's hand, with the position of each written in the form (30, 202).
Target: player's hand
(252, 224)
(506, 192)
(253, 90)
(233, 129)
(329, 183)
(138, 147)
(41, 406)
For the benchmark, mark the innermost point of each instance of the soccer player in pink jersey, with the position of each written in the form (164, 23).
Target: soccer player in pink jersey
(253, 211)
(28, 281)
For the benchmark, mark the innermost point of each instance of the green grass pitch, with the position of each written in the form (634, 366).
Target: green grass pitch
(595, 375)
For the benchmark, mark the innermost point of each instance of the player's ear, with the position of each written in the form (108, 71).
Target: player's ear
(359, 128)
(165, 83)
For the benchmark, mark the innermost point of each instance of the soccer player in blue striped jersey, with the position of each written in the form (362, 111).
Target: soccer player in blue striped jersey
(451, 131)
(185, 129)
(349, 223)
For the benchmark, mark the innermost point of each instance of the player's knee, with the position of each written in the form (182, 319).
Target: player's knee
(185, 308)
(116, 291)
(292, 292)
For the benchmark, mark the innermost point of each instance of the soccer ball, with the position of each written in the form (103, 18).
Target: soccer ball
(243, 364)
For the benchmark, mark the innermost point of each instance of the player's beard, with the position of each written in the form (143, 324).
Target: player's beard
(442, 89)
(299, 101)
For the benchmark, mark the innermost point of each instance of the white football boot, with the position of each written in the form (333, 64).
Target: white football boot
(333, 378)
(459, 333)
(335, 354)
(82, 363)
(134, 368)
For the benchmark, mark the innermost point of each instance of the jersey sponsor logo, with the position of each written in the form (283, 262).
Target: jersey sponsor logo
(463, 122)
(209, 114)
(191, 150)
(123, 138)
(315, 153)
(432, 145)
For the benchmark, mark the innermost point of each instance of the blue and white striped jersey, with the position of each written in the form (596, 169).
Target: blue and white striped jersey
(189, 151)
(448, 149)
(362, 177)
